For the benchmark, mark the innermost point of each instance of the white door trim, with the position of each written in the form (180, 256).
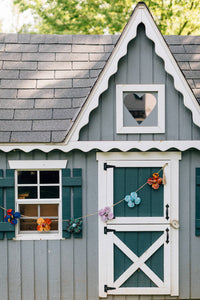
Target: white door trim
(105, 183)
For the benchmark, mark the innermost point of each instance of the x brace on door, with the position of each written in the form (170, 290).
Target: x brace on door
(138, 262)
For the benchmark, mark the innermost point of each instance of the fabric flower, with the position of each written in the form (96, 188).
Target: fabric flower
(43, 224)
(132, 199)
(12, 216)
(106, 214)
(155, 181)
(74, 225)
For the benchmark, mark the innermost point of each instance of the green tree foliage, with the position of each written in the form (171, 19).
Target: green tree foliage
(109, 16)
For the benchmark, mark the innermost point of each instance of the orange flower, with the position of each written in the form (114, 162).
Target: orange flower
(43, 224)
(155, 175)
(155, 181)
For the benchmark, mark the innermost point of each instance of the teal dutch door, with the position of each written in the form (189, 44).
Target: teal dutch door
(139, 237)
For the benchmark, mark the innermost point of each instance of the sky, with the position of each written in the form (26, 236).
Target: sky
(11, 21)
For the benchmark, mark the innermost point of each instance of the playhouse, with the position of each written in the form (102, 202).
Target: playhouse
(100, 165)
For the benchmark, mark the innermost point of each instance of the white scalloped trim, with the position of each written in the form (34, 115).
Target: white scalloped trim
(141, 14)
(106, 146)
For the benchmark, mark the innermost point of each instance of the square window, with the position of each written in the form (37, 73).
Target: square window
(38, 195)
(140, 108)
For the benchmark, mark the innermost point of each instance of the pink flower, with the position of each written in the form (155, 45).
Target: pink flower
(106, 214)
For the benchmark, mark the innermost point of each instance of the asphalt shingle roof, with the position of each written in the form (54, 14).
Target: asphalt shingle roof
(45, 80)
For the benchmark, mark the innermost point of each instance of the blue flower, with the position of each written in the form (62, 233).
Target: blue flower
(132, 199)
(12, 216)
(131, 204)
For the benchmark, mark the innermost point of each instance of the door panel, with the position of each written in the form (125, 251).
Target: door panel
(140, 259)
(127, 180)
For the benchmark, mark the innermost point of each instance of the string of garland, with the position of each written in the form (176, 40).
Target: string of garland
(75, 225)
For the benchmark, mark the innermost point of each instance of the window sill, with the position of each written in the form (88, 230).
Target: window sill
(38, 237)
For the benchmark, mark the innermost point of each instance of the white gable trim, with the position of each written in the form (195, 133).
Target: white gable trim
(140, 14)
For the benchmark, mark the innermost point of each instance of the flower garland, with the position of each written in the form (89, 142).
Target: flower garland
(75, 225)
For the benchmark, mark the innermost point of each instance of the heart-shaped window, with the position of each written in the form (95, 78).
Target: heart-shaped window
(140, 105)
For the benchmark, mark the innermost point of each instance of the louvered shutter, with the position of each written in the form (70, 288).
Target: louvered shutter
(71, 197)
(7, 186)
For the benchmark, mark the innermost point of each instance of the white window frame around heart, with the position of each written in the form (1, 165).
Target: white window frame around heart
(159, 89)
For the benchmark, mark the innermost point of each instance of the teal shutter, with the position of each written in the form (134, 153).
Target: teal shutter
(77, 198)
(197, 202)
(7, 183)
(71, 197)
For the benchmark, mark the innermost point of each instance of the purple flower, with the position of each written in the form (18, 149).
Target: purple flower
(106, 214)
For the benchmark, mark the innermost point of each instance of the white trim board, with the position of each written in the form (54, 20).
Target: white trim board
(37, 164)
(105, 146)
(159, 89)
(140, 15)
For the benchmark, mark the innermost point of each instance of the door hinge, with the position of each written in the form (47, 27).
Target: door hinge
(106, 166)
(107, 288)
(106, 230)
(167, 237)
(167, 212)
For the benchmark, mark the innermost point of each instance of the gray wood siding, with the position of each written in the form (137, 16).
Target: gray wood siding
(141, 65)
(68, 269)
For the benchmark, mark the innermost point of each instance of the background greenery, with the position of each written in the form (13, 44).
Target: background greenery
(180, 17)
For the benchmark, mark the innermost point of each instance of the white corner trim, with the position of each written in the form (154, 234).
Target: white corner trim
(105, 146)
(37, 164)
(159, 88)
(161, 48)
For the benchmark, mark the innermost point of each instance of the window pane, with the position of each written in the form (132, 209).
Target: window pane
(49, 210)
(25, 177)
(49, 176)
(31, 225)
(140, 105)
(28, 192)
(49, 192)
(54, 225)
(29, 210)
(28, 225)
